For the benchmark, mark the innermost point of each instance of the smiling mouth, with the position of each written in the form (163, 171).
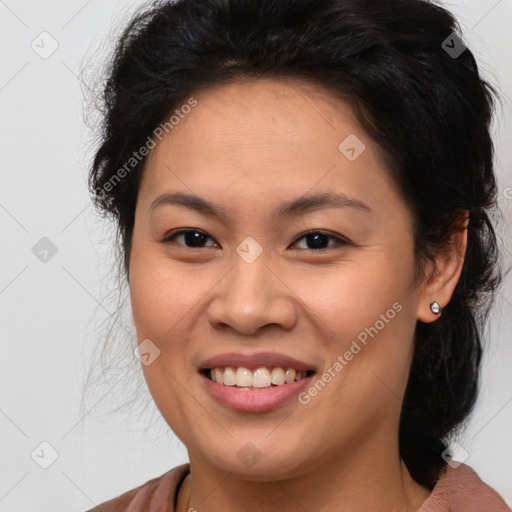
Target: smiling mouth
(261, 378)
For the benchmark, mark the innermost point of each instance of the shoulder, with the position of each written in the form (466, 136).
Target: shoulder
(155, 495)
(460, 489)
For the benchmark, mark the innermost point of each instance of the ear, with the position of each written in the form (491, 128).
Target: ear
(444, 272)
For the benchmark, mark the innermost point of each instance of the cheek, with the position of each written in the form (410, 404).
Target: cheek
(368, 320)
(163, 295)
(354, 295)
(369, 326)
(163, 300)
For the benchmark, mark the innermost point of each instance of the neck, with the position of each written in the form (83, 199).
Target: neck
(366, 480)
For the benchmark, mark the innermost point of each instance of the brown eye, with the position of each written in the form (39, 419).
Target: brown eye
(192, 238)
(318, 240)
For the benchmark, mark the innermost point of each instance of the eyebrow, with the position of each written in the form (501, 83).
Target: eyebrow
(302, 204)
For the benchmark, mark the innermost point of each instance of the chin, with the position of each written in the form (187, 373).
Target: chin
(257, 458)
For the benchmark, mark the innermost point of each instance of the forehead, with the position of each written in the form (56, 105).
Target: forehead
(265, 136)
(267, 112)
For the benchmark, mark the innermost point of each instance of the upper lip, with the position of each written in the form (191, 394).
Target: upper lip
(253, 361)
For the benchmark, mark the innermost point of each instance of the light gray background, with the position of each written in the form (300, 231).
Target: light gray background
(50, 310)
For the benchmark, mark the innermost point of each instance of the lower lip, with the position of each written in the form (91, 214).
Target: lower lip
(257, 400)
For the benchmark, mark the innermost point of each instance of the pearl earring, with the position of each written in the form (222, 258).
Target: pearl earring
(435, 307)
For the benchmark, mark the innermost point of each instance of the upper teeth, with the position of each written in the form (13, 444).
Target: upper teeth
(259, 378)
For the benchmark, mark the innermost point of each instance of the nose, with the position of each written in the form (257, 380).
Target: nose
(250, 297)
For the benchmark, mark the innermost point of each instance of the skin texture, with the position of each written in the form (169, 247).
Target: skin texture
(248, 146)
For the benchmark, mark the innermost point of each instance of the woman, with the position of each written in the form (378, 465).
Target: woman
(303, 193)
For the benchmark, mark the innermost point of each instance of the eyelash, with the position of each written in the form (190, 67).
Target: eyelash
(339, 241)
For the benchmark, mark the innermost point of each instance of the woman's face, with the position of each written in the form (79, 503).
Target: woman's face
(248, 285)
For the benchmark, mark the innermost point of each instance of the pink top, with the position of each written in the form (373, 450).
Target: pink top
(457, 490)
